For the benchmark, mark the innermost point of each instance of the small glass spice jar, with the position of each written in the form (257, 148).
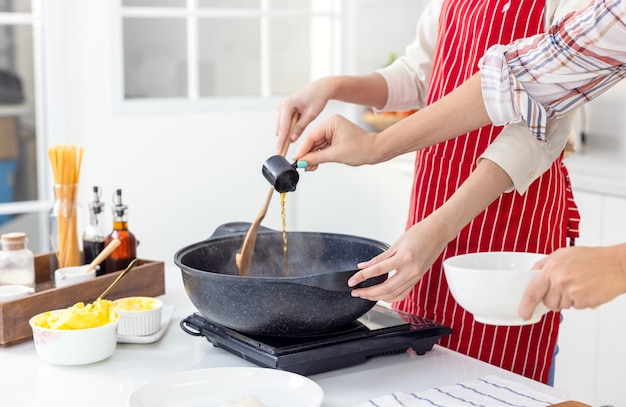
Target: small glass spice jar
(17, 263)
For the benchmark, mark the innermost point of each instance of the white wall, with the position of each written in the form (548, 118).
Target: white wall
(183, 175)
(605, 122)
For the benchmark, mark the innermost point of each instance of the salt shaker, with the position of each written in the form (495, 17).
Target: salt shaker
(17, 263)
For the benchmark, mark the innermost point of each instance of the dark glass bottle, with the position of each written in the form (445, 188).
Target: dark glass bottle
(127, 250)
(96, 231)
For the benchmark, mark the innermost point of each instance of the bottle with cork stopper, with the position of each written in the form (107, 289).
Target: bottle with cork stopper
(17, 263)
(96, 231)
(127, 250)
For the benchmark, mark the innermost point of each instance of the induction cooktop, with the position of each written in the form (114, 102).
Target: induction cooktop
(381, 331)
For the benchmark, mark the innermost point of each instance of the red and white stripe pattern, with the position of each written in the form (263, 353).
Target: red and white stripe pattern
(537, 221)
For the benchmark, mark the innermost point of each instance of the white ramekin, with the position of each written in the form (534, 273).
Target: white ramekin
(142, 321)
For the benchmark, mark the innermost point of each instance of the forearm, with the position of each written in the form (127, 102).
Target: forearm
(619, 254)
(366, 90)
(484, 185)
(459, 112)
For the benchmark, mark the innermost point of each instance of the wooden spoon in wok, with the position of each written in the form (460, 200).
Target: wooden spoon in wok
(244, 257)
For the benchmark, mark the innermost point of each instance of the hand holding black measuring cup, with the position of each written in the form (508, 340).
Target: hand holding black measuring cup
(281, 174)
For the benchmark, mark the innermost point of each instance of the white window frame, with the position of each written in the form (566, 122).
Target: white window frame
(195, 103)
(42, 205)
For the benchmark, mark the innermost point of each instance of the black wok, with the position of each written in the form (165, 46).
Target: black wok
(313, 298)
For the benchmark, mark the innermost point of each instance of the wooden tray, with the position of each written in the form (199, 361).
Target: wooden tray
(146, 279)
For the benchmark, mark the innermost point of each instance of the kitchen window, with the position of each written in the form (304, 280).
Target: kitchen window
(181, 54)
(23, 196)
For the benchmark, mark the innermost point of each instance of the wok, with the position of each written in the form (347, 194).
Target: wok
(313, 298)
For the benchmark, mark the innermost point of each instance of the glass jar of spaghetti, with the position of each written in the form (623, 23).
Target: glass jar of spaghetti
(64, 228)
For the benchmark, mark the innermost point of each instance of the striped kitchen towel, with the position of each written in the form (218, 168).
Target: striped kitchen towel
(488, 391)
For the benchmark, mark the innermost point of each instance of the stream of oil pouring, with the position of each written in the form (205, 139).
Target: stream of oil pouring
(283, 196)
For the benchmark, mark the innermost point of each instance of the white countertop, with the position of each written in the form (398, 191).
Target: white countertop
(599, 167)
(26, 380)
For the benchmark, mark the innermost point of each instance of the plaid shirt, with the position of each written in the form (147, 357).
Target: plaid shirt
(547, 75)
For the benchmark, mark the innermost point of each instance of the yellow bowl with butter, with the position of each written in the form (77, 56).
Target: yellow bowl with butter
(78, 335)
(139, 316)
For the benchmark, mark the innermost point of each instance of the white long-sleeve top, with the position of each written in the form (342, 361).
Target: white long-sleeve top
(522, 157)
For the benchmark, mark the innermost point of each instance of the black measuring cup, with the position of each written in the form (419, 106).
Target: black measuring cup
(281, 174)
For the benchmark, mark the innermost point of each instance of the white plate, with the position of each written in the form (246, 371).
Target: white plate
(166, 315)
(215, 386)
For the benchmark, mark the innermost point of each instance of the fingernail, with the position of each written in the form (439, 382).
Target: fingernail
(303, 164)
(352, 282)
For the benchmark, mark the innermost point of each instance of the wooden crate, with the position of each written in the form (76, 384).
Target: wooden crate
(145, 279)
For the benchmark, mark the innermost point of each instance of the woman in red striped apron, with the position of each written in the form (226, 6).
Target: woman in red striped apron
(514, 222)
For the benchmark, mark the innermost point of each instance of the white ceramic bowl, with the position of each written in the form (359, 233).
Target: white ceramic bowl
(74, 346)
(490, 285)
(139, 316)
(14, 292)
(72, 275)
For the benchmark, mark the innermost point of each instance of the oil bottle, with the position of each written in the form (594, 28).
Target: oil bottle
(96, 231)
(127, 250)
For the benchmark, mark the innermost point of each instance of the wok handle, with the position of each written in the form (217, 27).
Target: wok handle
(236, 228)
(333, 281)
(192, 325)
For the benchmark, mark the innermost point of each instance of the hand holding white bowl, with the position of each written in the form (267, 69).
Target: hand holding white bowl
(578, 277)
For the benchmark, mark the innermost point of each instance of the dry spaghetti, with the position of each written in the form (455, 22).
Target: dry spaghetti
(65, 161)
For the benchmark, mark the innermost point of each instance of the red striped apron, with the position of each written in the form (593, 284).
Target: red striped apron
(538, 221)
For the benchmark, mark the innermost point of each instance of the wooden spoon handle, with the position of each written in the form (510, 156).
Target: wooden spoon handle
(294, 120)
(244, 258)
(113, 244)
